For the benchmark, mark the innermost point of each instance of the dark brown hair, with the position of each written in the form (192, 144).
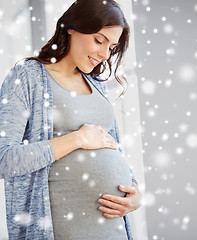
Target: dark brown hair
(88, 17)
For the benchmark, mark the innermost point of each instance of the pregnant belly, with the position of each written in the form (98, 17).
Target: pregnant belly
(98, 171)
(76, 182)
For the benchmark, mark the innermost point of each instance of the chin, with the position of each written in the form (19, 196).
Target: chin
(86, 70)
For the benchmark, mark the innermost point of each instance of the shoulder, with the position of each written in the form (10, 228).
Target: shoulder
(21, 68)
(22, 75)
(30, 67)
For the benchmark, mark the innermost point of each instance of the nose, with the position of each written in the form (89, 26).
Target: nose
(104, 54)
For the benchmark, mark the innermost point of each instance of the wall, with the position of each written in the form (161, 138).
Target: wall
(166, 53)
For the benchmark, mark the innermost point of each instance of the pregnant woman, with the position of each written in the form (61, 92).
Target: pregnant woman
(59, 152)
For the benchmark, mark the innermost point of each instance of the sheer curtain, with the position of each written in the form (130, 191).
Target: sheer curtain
(128, 116)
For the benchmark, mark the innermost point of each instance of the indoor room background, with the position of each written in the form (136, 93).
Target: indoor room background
(157, 116)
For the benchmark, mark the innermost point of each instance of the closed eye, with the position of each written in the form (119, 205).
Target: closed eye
(101, 43)
(98, 41)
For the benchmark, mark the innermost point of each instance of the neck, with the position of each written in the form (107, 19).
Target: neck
(64, 67)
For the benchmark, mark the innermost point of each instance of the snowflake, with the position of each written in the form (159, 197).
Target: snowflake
(46, 95)
(176, 221)
(69, 216)
(25, 142)
(121, 227)
(168, 28)
(186, 219)
(189, 189)
(26, 114)
(183, 127)
(179, 150)
(191, 140)
(54, 46)
(93, 154)
(162, 159)
(46, 104)
(92, 183)
(28, 48)
(168, 83)
(46, 127)
(101, 220)
(148, 9)
(195, 55)
(44, 223)
(148, 199)
(165, 137)
(2, 133)
(33, 19)
(80, 157)
(170, 51)
(22, 218)
(148, 87)
(53, 60)
(17, 81)
(85, 176)
(188, 114)
(4, 101)
(155, 30)
(36, 53)
(186, 73)
(151, 112)
(73, 94)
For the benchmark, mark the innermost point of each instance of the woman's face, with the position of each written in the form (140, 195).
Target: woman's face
(88, 50)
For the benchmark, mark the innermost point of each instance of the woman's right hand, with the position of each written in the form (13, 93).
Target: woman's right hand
(95, 137)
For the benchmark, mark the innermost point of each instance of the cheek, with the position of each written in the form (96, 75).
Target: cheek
(88, 45)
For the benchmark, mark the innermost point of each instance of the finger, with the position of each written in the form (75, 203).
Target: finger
(128, 189)
(111, 145)
(110, 216)
(109, 210)
(112, 200)
(111, 205)
(110, 140)
(109, 137)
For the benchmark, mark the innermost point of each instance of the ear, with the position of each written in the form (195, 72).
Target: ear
(70, 31)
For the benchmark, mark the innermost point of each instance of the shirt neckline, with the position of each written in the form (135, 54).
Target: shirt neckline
(84, 77)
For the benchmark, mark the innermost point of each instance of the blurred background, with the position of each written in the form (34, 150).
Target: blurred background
(166, 50)
(156, 116)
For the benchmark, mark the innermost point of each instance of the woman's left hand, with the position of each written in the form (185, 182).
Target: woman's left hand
(120, 206)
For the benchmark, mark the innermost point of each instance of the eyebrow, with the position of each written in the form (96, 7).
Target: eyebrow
(107, 38)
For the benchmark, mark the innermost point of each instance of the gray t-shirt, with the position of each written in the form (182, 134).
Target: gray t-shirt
(77, 180)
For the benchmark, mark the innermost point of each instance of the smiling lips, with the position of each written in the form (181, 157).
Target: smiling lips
(93, 61)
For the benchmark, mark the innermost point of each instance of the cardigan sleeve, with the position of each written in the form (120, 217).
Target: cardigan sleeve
(18, 157)
(115, 131)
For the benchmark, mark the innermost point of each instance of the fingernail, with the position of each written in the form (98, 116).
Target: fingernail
(121, 186)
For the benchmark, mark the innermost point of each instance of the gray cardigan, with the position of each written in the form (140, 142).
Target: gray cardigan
(26, 125)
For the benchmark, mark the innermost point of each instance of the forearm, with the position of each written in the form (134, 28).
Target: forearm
(19, 159)
(65, 144)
